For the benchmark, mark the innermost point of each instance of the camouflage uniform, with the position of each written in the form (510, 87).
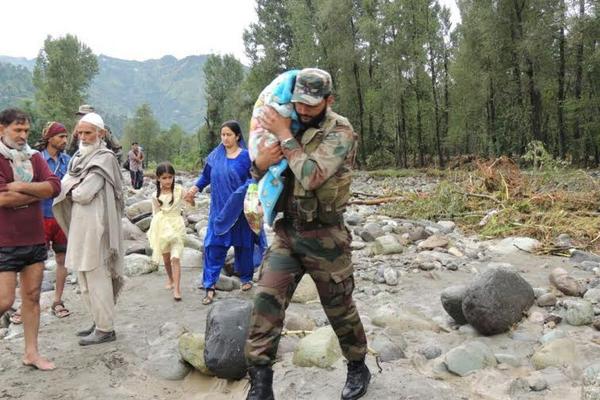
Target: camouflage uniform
(312, 237)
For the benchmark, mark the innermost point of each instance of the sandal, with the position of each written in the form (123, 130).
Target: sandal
(210, 296)
(59, 309)
(246, 286)
(15, 318)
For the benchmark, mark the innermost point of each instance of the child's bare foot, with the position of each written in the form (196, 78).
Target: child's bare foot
(169, 285)
(39, 363)
(177, 295)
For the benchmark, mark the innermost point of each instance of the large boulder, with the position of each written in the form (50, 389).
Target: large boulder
(496, 300)
(319, 349)
(469, 357)
(226, 332)
(191, 258)
(131, 231)
(452, 299)
(137, 264)
(135, 210)
(191, 348)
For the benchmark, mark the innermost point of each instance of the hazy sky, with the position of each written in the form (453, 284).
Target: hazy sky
(133, 29)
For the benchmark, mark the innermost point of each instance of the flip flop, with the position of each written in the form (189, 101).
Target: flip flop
(246, 286)
(59, 309)
(208, 299)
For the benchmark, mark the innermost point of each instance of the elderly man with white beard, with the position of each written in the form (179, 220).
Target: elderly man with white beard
(89, 209)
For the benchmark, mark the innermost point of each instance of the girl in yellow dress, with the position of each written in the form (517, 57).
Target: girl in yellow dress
(167, 229)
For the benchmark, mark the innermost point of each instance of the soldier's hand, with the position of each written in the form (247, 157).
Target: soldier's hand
(267, 155)
(274, 122)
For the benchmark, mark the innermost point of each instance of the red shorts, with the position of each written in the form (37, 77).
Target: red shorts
(55, 236)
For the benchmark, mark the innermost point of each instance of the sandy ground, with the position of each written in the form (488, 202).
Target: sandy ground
(116, 370)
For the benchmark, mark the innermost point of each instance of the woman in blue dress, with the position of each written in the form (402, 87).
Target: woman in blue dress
(228, 172)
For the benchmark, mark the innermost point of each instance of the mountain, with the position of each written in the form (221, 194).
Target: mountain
(173, 88)
(15, 84)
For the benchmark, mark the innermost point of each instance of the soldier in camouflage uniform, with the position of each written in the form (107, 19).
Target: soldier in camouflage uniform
(311, 237)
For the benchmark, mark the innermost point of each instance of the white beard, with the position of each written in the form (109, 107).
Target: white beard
(85, 148)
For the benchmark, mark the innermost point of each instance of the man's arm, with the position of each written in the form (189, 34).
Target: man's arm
(85, 192)
(41, 190)
(15, 199)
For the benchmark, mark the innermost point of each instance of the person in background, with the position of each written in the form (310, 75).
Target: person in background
(136, 166)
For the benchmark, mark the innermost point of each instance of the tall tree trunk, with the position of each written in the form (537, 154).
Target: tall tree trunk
(436, 107)
(359, 97)
(420, 146)
(516, 34)
(446, 113)
(535, 99)
(577, 140)
(404, 130)
(491, 117)
(562, 136)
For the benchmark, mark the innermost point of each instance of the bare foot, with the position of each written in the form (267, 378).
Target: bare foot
(39, 363)
(169, 286)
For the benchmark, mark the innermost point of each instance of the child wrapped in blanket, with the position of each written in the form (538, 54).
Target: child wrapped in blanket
(261, 197)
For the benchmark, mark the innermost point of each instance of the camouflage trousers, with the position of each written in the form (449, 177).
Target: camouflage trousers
(325, 255)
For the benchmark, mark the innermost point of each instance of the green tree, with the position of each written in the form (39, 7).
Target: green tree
(63, 72)
(144, 129)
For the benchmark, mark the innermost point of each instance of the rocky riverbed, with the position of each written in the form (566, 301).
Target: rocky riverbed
(403, 269)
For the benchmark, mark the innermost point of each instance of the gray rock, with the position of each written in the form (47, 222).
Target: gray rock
(579, 312)
(386, 348)
(297, 322)
(596, 323)
(167, 365)
(430, 352)
(137, 264)
(446, 226)
(452, 298)
(353, 219)
(592, 295)
(387, 244)
(512, 245)
(552, 335)
(391, 276)
(371, 231)
(306, 290)
(591, 383)
(131, 231)
(319, 349)
(401, 321)
(546, 300)
(469, 357)
(508, 359)
(556, 353)
(537, 384)
(139, 208)
(191, 258)
(564, 240)
(418, 233)
(537, 291)
(192, 242)
(135, 247)
(357, 245)
(227, 284)
(144, 224)
(589, 266)
(427, 265)
(196, 217)
(578, 256)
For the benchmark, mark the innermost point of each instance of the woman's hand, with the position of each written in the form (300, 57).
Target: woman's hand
(189, 196)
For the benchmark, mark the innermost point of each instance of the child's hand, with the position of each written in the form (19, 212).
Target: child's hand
(268, 155)
(274, 122)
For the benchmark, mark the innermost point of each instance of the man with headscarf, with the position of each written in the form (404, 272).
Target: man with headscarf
(89, 209)
(25, 180)
(111, 141)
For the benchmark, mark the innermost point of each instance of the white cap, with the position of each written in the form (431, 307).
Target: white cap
(94, 119)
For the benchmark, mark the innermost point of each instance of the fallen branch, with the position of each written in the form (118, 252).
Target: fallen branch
(356, 194)
(483, 196)
(380, 200)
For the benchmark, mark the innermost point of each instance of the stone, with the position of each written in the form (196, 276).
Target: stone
(592, 295)
(402, 321)
(591, 383)
(537, 383)
(227, 284)
(418, 233)
(496, 300)
(297, 322)
(191, 258)
(508, 359)
(387, 244)
(139, 208)
(546, 300)
(469, 357)
(371, 231)
(306, 290)
(596, 323)
(578, 256)
(319, 349)
(568, 285)
(391, 276)
(555, 353)
(144, 223)
(433, 242)
(192, 242)
(196, 217)
(455, 252)
(430, 352)
(589, 266)
(512, 245)
(227, 327)
(452, 298)
(131, 231)
(191, 349)
(357, 245)
(579, 312)
(167, 364)
(386, 348)
(446, 226)
(427, 265)
(552, 335)
(135, 247)
(353, 219)
(564, 240)
(137, 264)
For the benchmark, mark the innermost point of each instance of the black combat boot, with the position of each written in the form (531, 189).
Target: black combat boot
(357, 380)
(261, 383)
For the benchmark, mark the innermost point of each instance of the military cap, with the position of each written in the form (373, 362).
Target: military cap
(312, 85)
(85, 109)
